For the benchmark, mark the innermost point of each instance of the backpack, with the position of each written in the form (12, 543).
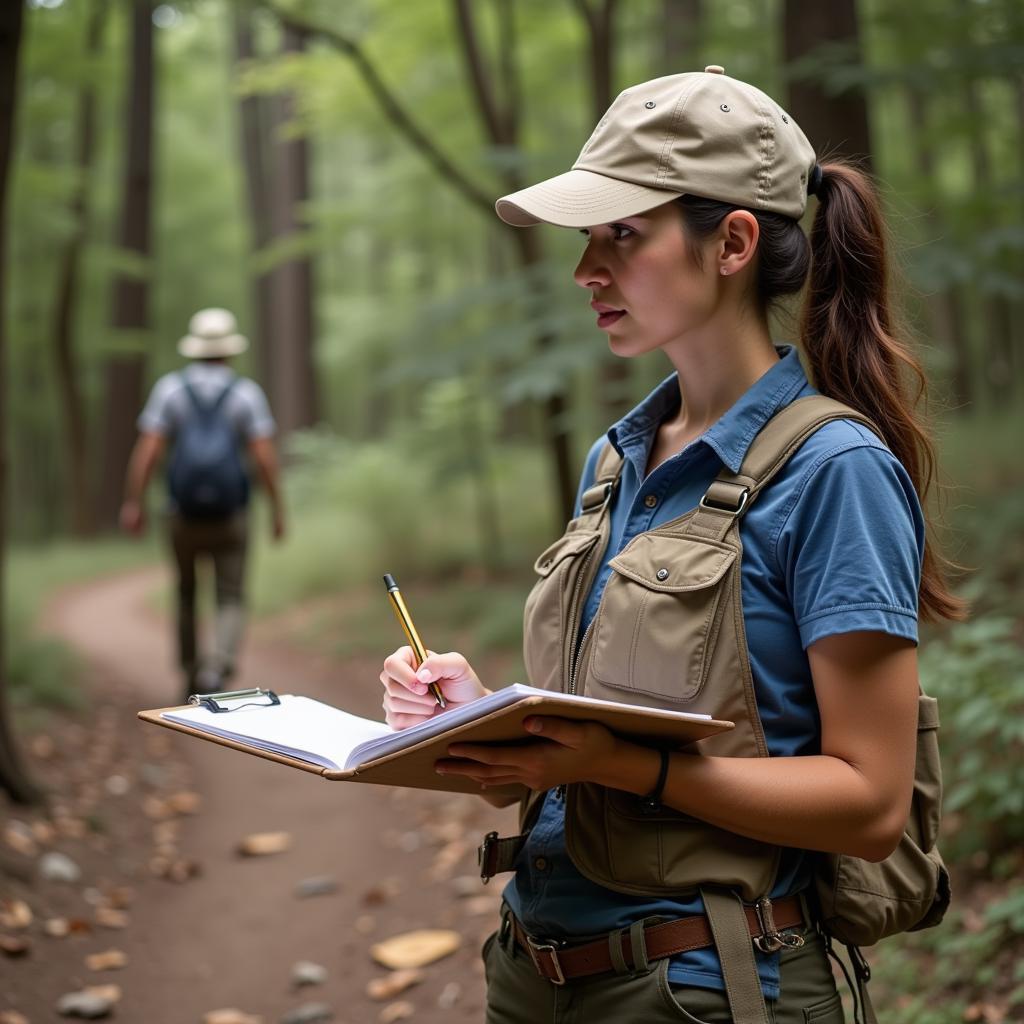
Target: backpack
(206, 476)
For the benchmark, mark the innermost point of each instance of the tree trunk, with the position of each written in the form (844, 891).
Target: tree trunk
(835, 125)
(499, 118)
(124, 373)
(252, 116)
(75, 446)
(293, 381)
(599, 18)
(998, 317)
(13, 777)
(678, 35)
(945, 310)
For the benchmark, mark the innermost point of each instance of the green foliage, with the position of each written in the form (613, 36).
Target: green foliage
(976, 672)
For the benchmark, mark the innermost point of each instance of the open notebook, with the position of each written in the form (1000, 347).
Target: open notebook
(310, 734)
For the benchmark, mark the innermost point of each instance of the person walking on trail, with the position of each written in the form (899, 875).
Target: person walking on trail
(212, 419)
(745, 544)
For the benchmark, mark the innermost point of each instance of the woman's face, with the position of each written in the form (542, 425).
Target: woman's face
(644, 287)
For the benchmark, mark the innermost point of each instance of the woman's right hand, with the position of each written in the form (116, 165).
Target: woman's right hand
(407, 698)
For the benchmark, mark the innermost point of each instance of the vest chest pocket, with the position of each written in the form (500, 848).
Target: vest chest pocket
(548, 606)
(659, 616)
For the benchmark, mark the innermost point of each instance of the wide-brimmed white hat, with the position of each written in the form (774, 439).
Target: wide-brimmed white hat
(212, 334)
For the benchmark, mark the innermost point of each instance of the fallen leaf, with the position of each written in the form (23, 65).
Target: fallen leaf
(57, 927)
(395, 1012)
(109, 960)
(120, 896)
(108, 917)
(15, 914)
(416, 949)
(260, 844)
(230, 1016)
(450, 995)
(394, 984)
(12, 1017)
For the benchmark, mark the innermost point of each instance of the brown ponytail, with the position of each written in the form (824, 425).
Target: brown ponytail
(849, 336)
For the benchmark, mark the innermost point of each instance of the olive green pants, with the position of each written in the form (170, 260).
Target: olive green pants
(225, 542)
(516, 994)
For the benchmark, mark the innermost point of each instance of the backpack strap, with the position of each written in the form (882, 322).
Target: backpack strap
(606, 479)
(213, 407)
(730, 493)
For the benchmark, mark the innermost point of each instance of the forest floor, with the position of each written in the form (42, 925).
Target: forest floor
(152, 821)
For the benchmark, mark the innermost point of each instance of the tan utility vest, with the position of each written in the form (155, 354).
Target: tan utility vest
(668, 633)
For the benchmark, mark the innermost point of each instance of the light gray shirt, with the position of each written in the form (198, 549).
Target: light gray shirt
(169, 404)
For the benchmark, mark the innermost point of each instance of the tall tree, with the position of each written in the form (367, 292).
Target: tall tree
(130, 312)
(13, 777)
(815, 34)
(292, 323)
(599, 19)
(74, 445)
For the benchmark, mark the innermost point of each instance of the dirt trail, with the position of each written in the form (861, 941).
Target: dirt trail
(229, 937)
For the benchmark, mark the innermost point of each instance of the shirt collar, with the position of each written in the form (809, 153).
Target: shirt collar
(731, 436)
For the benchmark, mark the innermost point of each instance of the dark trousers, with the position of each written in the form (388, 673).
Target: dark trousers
(225, 542)
(516, 994)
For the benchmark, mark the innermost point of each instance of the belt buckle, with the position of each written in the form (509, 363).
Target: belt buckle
(771, 940)
(483, 853)
(552, 951)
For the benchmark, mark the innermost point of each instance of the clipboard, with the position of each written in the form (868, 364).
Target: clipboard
(413, 766)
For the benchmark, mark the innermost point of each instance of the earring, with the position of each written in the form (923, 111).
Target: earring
(725, 270)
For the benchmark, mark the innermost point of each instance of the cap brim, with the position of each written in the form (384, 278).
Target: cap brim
(193, 347)
(579, 199)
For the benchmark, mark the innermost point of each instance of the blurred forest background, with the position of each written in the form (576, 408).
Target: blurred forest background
(327, 171)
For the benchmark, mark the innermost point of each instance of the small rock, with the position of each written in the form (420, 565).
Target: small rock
(88, 1004)
(57, 927)
(261, 844)
(109, 960)
(184, 802)
(58, 867)
(450, 995)
(308, 973)
(321, 885)
(416, 949)
(394, 984)
(117, 785)
(15, 914)
(14, 945)
(18, 836)
(230, 1016)
(395, 1012)
(308, 1013)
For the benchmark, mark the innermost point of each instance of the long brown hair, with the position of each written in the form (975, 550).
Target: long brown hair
(849, 332)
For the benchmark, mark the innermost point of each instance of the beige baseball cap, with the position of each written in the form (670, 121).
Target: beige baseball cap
(212, 334)
(700, 133)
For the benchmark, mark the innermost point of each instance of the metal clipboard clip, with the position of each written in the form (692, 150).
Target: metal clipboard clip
(256, 697)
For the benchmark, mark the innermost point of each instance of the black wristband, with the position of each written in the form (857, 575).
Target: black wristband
(651, 803)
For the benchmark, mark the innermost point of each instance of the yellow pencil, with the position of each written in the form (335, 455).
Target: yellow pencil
(419, 651)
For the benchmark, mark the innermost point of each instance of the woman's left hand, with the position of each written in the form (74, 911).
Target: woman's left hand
(565, 751)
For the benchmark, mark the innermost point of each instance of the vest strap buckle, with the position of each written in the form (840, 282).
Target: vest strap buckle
(732, 507)
(769, 941)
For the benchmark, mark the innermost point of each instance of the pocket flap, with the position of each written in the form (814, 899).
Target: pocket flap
(566, 546)
(674, 564)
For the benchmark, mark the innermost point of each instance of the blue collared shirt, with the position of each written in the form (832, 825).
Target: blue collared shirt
(832, 545)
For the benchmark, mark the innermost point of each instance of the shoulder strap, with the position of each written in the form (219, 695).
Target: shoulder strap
(730, 493)
(201, 407)
(606, 476)
(224, 394)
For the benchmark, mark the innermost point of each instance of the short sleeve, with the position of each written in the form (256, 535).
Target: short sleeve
(258, 420)
(852, 545)
(155, 417)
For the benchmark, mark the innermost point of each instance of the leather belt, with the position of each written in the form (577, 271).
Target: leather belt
(767, 922)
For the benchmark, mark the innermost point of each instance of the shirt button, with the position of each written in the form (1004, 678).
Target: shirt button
(650, 501)
(540, 863)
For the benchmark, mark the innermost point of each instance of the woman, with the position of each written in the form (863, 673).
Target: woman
(740, 548)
